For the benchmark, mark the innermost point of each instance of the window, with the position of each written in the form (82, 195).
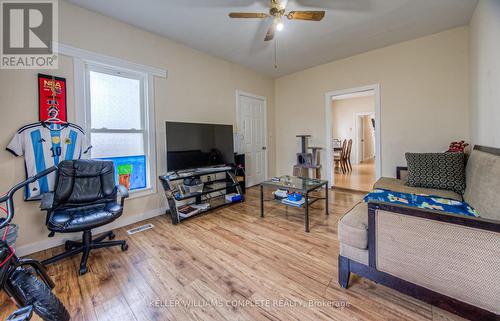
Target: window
(118, 119)
(114, 103)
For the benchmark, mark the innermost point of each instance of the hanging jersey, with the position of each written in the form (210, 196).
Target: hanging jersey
(43, 146)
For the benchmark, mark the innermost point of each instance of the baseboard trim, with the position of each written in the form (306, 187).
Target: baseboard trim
(59, 239)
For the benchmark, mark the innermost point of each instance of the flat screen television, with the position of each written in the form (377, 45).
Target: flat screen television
(193, 145)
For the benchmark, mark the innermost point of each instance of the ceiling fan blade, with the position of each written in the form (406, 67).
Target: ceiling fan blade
(256, 44)
(306, 15)
(248, 15)
(271, 30)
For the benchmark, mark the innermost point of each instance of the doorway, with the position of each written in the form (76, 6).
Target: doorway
(353, 137)
(364, 136)
(251, 120)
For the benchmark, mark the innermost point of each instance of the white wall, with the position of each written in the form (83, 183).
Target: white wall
(199, 88)
(343, 115)
(424, 97)
(344, 118)
(485, 74)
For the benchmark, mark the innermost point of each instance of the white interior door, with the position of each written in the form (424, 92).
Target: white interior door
(364, 133)
(252, 127)
(359, 139)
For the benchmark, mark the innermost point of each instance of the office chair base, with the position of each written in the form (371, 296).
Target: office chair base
(85, 246)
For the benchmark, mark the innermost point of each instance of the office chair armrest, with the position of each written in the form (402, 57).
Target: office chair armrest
(47, 201)
(123, 193)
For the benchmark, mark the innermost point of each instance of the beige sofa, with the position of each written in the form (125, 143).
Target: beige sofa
(447, 260)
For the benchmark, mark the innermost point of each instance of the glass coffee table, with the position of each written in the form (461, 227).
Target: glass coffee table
(297, 184)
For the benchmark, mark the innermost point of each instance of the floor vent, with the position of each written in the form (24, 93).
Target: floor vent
(140, 229)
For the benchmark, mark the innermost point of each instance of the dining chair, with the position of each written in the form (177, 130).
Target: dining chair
(348, 156)
(338, 157)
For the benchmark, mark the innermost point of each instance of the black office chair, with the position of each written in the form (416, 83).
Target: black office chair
(85, 197)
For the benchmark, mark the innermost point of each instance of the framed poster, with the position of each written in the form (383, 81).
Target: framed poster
(52, 99)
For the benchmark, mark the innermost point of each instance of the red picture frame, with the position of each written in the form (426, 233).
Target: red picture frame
(52, 99)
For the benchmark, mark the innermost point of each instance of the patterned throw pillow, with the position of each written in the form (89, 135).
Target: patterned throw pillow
(437, 170)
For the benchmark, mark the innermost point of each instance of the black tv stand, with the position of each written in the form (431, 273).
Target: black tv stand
(217, 181)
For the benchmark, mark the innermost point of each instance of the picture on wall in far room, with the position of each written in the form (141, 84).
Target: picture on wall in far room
(52, 99)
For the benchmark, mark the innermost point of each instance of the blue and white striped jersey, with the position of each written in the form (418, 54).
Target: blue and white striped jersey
(45, 145)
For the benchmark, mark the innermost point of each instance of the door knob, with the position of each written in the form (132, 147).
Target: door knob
(264, 147)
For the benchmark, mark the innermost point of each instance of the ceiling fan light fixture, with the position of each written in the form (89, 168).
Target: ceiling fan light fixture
(277, 12)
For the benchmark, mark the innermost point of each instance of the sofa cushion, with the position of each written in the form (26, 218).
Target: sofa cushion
(483, 184)
(398, 185)
(436, 170)
(353, 253)
(353, 227)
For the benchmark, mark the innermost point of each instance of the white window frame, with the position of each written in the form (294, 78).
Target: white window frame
(83, 62)
(89, 67)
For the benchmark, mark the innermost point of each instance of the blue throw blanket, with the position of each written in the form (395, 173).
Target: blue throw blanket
(423, 201)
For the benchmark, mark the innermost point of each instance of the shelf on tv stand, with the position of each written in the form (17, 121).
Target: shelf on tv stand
(204, 192)
(173, 176)
(217, 201)
(171, 184)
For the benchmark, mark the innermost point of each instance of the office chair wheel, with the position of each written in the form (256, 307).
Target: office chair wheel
(69, 245)
(112, 236)
(124, 247)
(83, 270)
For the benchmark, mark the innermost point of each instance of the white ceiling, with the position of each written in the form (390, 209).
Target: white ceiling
(349, 27)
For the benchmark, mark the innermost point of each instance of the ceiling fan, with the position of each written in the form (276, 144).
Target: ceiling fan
(277, 12)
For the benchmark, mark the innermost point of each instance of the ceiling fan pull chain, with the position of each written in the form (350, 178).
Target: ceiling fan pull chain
(276, 53)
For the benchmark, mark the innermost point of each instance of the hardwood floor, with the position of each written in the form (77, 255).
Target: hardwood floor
(361, 178)
(229, 265)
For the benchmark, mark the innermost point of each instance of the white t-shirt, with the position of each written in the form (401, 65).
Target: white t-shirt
(43, 146)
